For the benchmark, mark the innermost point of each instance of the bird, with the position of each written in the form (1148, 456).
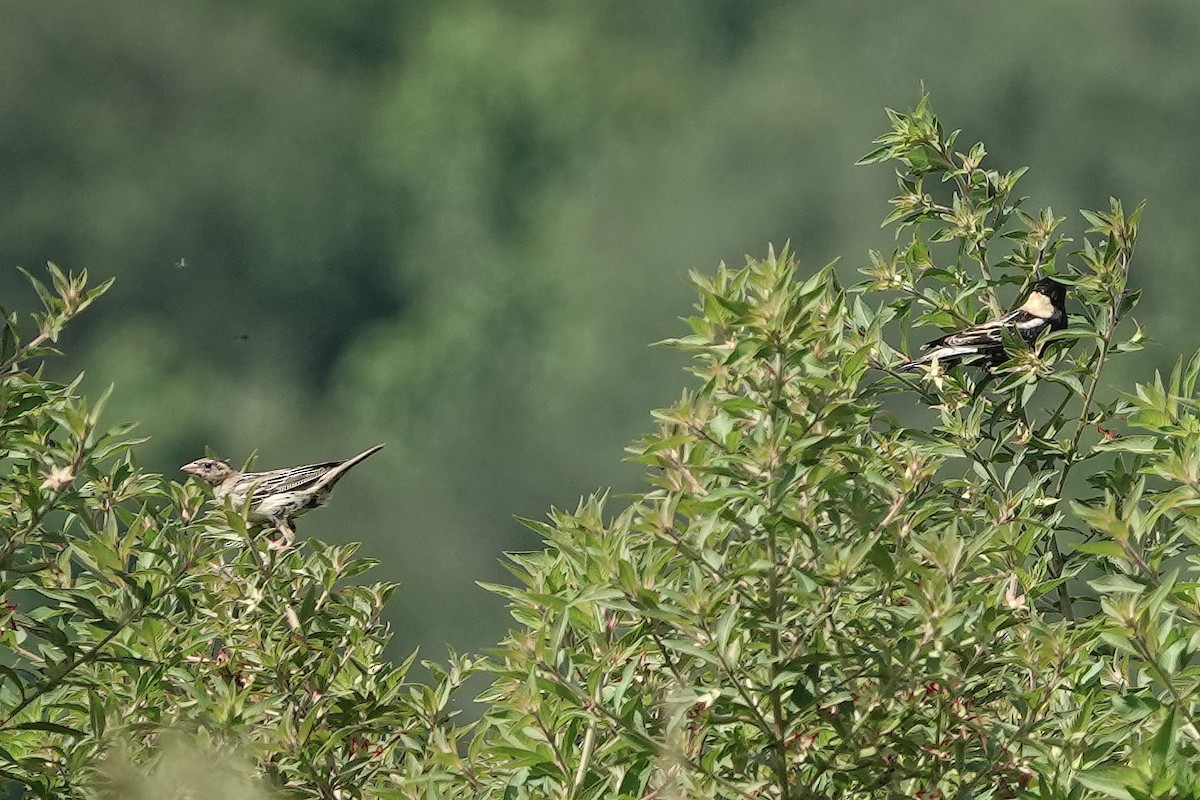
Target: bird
(277, 496)
(1045, 309)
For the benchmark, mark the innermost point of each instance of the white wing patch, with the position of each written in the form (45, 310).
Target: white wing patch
(1031, 324)
(949, 351)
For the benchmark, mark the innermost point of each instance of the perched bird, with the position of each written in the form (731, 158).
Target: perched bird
(1045, 309)
(277, 496)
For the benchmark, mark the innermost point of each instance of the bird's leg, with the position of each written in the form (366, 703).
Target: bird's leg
(287, 534)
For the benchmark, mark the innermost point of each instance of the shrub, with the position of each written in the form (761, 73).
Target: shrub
(151, 649)
(852, 582)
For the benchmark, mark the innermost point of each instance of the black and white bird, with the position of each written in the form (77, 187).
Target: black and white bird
(1045, 309)
(279, 496)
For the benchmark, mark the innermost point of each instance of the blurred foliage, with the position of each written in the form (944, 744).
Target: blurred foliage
(453, 226)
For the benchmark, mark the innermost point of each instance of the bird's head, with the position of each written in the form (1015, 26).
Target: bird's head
(1047, 299)
(209, 470)
(1053, 291)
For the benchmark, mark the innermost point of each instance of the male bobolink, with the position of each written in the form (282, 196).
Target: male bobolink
(1043, 310)
(280, 495)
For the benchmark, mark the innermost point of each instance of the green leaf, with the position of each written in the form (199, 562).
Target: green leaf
(1142, 444)
(1114, 782)
(49, 727)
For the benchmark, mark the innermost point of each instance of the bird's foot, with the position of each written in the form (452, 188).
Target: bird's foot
(285, 538)
(279, 544)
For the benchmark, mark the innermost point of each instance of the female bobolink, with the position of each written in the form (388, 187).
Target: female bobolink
(278, 496)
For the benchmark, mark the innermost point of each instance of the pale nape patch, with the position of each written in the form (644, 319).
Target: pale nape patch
(1039, 305)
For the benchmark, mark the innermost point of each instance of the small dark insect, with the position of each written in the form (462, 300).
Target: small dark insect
(181, 263)
(218, 650)
(242, 337)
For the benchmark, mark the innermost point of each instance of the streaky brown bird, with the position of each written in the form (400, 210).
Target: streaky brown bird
(277, 496)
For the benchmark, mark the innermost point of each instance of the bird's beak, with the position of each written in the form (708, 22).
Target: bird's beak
(192, 468)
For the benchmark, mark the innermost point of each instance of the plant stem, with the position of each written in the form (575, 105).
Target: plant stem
(585, 758)
(776, 610)
(645, 739)
(964, 193)
(1057, 562)
(94, 651)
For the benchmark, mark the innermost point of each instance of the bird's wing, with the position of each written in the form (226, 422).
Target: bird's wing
(1026, 322)
(286, 480)
(316, 478)
(986, 334)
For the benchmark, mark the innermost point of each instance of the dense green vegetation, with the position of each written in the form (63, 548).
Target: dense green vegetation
(454, 226)
(815, 597)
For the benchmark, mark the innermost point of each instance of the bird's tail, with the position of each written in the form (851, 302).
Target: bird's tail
(913, 364)
(334, 475)
(948, 355)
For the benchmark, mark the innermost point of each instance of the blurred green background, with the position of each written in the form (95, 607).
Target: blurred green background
(455, 226)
